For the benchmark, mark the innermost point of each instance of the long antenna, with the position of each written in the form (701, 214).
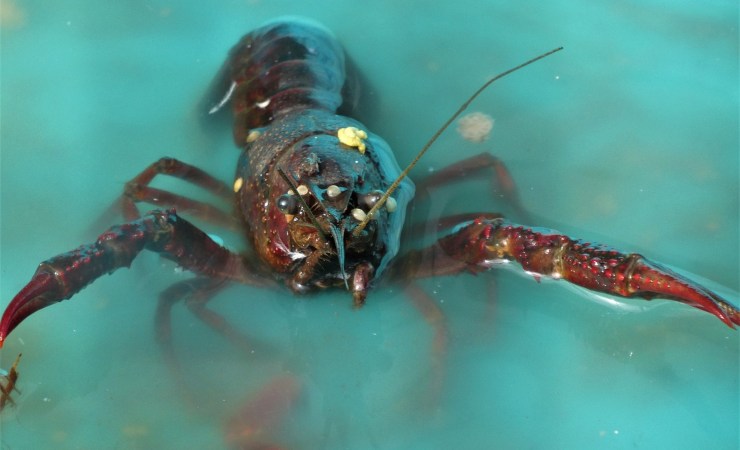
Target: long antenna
(361, 226)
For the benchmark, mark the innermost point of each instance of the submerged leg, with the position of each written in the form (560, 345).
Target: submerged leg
(196, 293)
(484, 162)
(436, 319)
(478, 245)
(164, 232)
(138, 190)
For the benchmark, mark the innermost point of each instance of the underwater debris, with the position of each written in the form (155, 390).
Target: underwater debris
(8, 385)
(475, 127)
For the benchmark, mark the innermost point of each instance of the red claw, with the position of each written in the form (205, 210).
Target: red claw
(43, 290)
(596, 267)
(649, 279)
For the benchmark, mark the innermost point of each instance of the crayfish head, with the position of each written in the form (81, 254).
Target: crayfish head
(326, 251)
(326, 192)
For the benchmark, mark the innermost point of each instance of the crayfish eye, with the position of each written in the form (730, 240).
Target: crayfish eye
(370, 199)
(287, 204)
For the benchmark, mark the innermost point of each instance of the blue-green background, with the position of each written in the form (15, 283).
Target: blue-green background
(629, 137)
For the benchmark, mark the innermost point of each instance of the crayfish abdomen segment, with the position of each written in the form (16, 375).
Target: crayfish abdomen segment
(281, 67)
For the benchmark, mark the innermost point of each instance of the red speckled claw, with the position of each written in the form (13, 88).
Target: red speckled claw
(599, 268)
(649, 279)
(43, 290)
(62, 276)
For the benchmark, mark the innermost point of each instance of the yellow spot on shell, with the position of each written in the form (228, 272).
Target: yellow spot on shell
(353, 137)
(252, 136)
(238, 184)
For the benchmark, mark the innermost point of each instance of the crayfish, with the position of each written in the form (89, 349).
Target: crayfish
(323, 203)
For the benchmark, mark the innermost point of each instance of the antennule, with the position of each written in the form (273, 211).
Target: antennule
(370, 214)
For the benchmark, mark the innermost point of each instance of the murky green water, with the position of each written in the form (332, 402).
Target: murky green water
(629, 137)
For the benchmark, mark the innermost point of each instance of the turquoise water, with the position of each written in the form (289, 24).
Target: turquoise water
(629, 137)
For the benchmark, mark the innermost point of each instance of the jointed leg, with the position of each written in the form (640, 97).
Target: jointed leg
(479, 244)
(196, 293)
(164, 232)
(435, 226)
(138, 190)
(435, 317)
(484, 162)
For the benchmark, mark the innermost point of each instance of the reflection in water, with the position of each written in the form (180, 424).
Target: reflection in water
(341, 368)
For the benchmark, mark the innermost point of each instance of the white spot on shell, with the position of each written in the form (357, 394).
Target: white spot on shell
(333, 191)
(391, 204)
(238, 184)
(359, 214)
